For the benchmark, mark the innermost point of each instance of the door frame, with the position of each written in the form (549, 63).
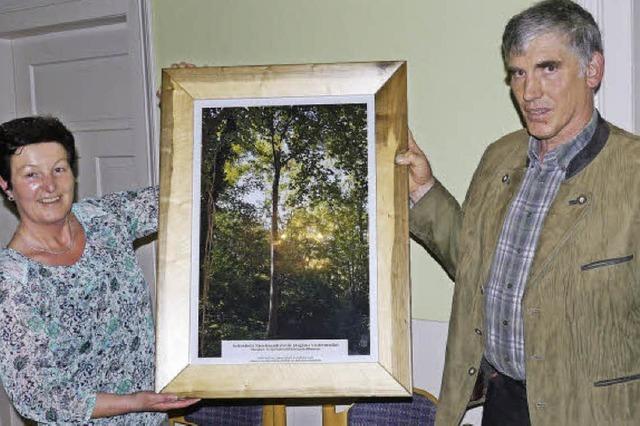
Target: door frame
(621, 38)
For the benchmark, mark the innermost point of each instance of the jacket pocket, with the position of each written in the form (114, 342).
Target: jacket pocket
(606, 262)
(616, 381)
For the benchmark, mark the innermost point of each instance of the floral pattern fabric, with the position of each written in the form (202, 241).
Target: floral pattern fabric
(69, 332)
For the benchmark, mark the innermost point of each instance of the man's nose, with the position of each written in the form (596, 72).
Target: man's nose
(532, 88)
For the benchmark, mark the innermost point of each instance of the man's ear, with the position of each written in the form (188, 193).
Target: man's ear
(595, 70)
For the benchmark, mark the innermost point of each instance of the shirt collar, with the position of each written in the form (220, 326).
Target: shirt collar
(563, 154)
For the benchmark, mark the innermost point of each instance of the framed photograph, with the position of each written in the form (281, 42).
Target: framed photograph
(283, 238)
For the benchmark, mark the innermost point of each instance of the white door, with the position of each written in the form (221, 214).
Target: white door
(85, 62)
(84, 77)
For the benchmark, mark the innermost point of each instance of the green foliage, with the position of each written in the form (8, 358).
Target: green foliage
(238, 280)
(316, 156)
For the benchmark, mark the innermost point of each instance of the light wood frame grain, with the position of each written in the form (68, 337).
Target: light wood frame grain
(391, 375)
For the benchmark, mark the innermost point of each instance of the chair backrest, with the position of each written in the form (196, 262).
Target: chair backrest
(420, 409)
(210, 413)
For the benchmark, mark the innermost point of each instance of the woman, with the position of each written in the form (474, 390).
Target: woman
(76, 326)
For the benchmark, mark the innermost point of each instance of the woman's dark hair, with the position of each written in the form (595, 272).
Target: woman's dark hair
(24, 131)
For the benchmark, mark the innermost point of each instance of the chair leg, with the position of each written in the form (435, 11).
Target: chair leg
(331, 418)
(179, 420)
(274, 415)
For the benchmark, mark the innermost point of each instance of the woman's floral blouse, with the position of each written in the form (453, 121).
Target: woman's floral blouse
(68, 332)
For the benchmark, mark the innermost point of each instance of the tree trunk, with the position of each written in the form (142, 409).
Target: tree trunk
(207, 253)
(211, 187)
(278, 138)
(274, 299)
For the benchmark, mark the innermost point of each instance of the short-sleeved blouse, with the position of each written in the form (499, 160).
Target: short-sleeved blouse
(69, 332)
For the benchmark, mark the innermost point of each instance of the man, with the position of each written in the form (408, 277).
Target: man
(544, 249)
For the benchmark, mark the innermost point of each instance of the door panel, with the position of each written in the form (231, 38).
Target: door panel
(56, 85)
(15, 5)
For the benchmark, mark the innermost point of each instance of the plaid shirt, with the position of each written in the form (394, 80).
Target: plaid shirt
(504, 325)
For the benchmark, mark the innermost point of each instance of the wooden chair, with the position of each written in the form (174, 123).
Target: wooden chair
(231, 415)
(420, 409)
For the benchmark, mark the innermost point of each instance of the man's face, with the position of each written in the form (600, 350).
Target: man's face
(554, 95)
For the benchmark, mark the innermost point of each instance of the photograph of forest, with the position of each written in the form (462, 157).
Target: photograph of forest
(284, 225)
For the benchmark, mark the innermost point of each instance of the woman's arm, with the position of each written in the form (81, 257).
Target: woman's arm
(137, 208)
(109, 404)
(46, 376)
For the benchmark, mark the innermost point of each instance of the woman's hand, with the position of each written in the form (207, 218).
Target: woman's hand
(151, 401)
(109, 404)
(182, 64)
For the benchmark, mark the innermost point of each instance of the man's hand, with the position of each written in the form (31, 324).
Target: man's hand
(420, 176)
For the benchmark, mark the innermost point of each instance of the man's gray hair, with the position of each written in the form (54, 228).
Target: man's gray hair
(562, 17)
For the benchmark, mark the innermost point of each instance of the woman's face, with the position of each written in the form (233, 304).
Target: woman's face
(42, 183)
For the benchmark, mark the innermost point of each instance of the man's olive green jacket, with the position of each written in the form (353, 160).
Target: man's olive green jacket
(581, 304)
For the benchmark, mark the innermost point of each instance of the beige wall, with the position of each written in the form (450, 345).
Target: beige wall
(458, 102)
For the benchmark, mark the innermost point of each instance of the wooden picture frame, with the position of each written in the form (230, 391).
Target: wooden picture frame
(390, 374)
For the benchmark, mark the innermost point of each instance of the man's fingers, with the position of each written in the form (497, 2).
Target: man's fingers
(408, 158)
(402, 159)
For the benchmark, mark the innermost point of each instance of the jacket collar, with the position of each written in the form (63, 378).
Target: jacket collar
(590, 150)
